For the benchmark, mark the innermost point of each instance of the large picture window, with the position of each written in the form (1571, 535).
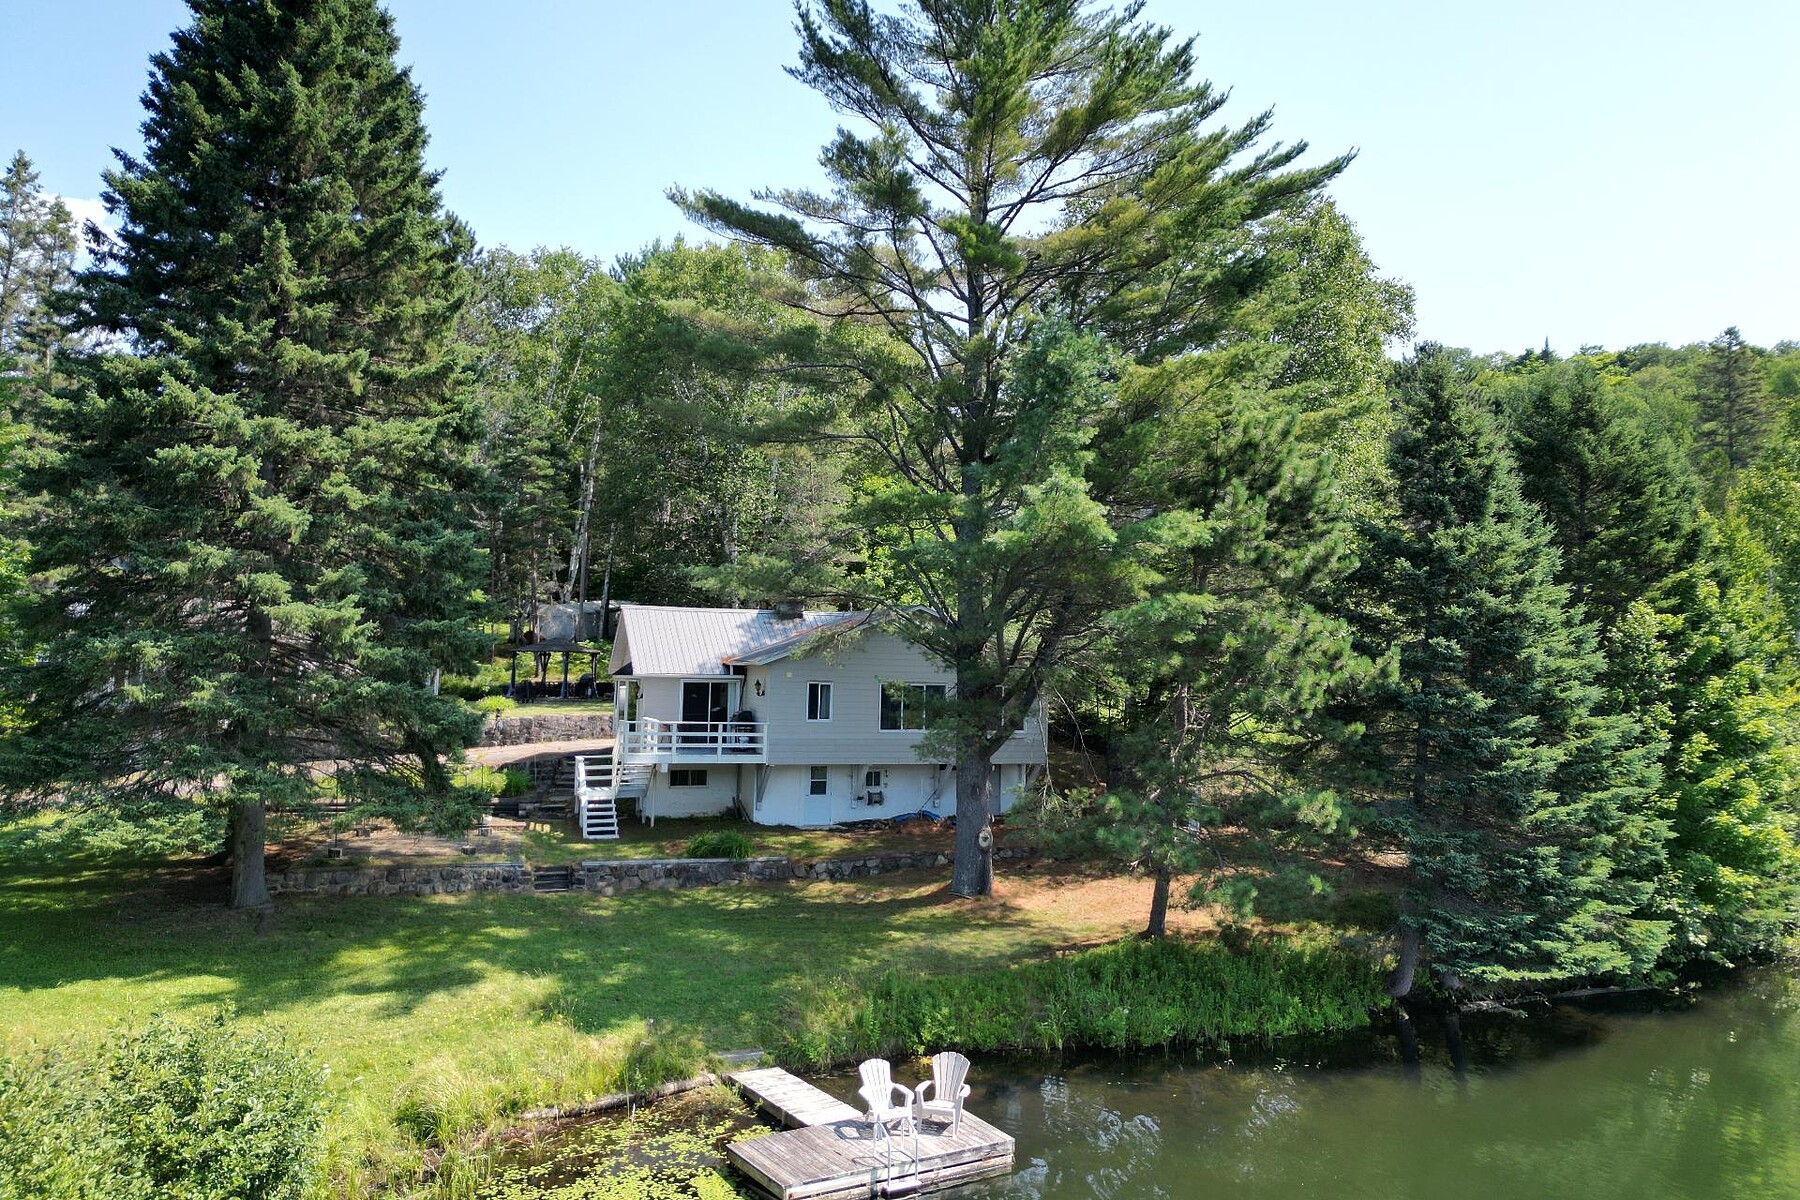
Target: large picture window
(907, 705)
(818, 702)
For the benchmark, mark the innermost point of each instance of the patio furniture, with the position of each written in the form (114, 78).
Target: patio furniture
(947, 1090)
(884, 1116)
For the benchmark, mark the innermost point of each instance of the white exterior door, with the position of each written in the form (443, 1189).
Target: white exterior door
(815, 811)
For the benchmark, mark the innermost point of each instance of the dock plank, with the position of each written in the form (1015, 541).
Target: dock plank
(790, 1099)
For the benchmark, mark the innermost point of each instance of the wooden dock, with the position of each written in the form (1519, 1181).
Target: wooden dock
(790, 1099)
(833, 1154)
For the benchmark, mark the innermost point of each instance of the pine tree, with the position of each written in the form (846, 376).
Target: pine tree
(1225, 664)
(1486, 760)
(1009, 158)
(253, 552)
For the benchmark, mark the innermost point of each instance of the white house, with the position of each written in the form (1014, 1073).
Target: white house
(787, 717)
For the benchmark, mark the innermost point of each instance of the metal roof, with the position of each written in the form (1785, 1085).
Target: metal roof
(654, 639)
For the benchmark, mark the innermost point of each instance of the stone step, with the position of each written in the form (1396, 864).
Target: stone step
(553, 879)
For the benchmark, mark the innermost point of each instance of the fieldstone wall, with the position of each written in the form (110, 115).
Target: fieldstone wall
(520, 730)
(611, 877)
(402, 881)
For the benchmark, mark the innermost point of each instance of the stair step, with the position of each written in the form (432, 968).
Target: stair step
(553, 879)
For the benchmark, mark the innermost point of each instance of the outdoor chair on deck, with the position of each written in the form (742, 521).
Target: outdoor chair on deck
(884, 1116)
(947, 1090)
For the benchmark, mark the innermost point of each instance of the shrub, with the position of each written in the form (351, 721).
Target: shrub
(211, 1110)
(205, 1110)
(495, 705)
(52, 1146)
(719, 843)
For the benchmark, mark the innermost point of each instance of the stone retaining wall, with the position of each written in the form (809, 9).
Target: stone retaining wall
(402, 881)
(520, 730)
(609, 878)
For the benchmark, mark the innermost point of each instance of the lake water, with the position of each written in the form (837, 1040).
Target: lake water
(1690, 1102)
(1694, 1099)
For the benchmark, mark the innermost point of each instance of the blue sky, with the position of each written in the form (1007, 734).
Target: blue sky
(1585, 171)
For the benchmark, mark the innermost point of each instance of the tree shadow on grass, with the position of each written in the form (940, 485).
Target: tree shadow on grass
(715, 962)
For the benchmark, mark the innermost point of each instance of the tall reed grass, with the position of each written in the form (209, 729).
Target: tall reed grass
(1126, 996)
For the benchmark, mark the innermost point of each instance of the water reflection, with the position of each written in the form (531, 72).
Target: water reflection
(1696, 1103)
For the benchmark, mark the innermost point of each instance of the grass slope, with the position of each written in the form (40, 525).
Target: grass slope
(441, 1017)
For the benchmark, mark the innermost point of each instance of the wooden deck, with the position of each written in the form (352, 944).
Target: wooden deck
(834, 1156)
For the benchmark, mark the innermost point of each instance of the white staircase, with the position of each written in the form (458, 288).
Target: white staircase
(599, 786)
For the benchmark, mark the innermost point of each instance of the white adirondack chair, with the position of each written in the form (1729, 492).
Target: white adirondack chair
(884, 1116)
(946, 1088)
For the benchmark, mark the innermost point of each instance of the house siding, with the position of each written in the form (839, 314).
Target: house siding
(848, 744)
(855, 669)
(715, 797)
(908, 788)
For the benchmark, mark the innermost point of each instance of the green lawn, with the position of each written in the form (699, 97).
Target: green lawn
(473, 1007)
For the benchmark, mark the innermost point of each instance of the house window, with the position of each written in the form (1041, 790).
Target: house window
(873, 779)
(818, 702)
(905, 705)
(819, 782)
(687, 777)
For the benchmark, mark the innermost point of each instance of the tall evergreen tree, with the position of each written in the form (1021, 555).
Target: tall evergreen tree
(1012, 157)
(37, 256)
(1224, 665)
(1487, 763)
(1734, 408)
(253, 550)
(1621, 502)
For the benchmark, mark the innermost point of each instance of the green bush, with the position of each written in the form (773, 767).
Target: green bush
(719, 843)
(495, 705)
(52, 1145)
(211, 1110)
(205, 1110)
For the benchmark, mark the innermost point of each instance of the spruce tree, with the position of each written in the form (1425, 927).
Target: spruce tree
(1621, 502)
(1734, 408)
(1485, 756)
(1694, 647)
(253, 554)
(37, 256)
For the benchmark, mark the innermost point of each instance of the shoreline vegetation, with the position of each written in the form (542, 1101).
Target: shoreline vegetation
(447, 1027)
(441, 1022)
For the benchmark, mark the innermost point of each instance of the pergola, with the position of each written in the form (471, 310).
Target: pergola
(543, 651)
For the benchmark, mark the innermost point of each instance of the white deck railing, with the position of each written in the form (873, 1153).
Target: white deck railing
(704, 741)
